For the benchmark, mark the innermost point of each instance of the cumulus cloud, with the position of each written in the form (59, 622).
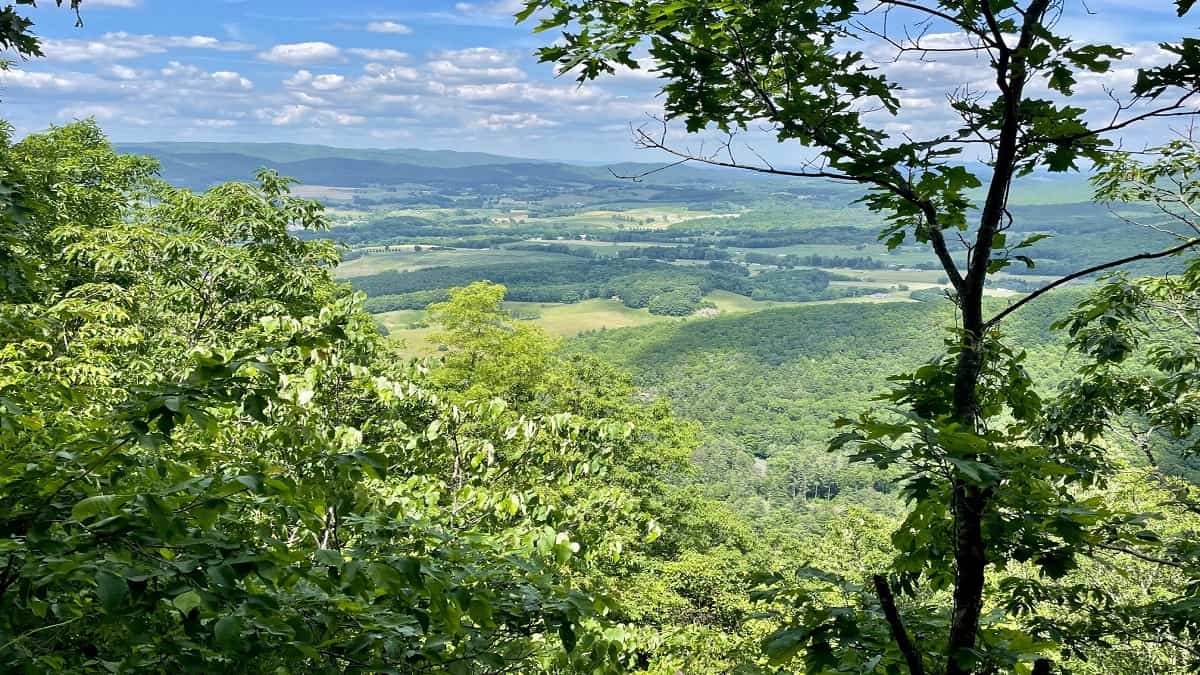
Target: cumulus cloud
(388, 27)
(47, 82)
(379, 55)
(298, 114)
(122, 46)
(210, 123)
(328, 82)
(477, 64)
(194, 77)
(520, 120)
(302, 53)
(78, 112)
(120, 72)
(493, 7)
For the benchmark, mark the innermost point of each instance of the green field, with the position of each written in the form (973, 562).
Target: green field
(570, 320)
(557, 319)
(409, 260)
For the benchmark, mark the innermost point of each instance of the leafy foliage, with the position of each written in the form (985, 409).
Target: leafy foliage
(211, 461)
(966, 431)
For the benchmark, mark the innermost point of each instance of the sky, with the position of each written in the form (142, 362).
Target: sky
(431, 74)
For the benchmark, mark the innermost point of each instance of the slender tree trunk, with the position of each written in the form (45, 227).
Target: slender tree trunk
(970, 502)
(968, 505)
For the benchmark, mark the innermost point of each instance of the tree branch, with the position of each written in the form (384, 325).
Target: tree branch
(957, 21)
(1171, 110)
(645, 140)
(1142, 556)
(899, 632)
(1083, 273)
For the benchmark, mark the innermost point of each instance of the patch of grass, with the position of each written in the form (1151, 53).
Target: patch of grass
(573, 319)
(591, 315)
(732, 303)
(414, 341)
(409, 260)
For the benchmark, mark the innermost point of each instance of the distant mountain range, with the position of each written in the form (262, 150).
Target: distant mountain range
(200, 165)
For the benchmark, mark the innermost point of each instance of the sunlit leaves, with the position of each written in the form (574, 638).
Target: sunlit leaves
(216, 461)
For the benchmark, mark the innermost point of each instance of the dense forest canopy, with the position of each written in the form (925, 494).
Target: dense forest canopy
(213, 460)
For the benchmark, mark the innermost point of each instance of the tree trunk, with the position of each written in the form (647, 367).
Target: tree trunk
(968, 502)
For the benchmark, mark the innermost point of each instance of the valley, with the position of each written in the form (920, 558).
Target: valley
(669, 337)
(762, 309)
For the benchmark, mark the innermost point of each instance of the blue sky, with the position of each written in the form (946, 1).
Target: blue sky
(412, 73)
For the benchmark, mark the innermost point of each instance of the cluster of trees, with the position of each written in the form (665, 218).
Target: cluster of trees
(675, 253)
(804, 285)
(728, 232)
(636, 281)
(791, 260)
(212, 461)
(999, 557)
(561, 249)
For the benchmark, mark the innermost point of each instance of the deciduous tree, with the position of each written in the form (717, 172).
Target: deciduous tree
(795, 68)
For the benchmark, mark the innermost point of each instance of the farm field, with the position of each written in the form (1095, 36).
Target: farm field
(409, 260)
(570, 320)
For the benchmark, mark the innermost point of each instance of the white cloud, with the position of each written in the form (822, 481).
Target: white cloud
(302, 114)
(123, 73)
(43, 81)
(477, 57)
(197, 78)
(78, 112)
(301, 53)
(520, 120)
(120, 46)
(388, 27)
(476, 64)
(299, 78)
(380, 76)
(378, 55)
(214, 123)
(328, 82)
(448, 70)
(494, 7)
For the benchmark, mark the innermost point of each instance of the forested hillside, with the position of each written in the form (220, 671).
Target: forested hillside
(768, 386)
(923, 399)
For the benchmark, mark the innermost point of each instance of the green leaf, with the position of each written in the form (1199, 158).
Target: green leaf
(480, 611)
(186, 602)
(112, 590)
(1147, 535)
(784, 645)
(96, 505)
(228, 632)
(1031, 240)
(566, 633)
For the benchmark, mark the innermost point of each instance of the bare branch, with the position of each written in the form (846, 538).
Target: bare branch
(1142, 556)
(973, 30)
(1085, 272)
